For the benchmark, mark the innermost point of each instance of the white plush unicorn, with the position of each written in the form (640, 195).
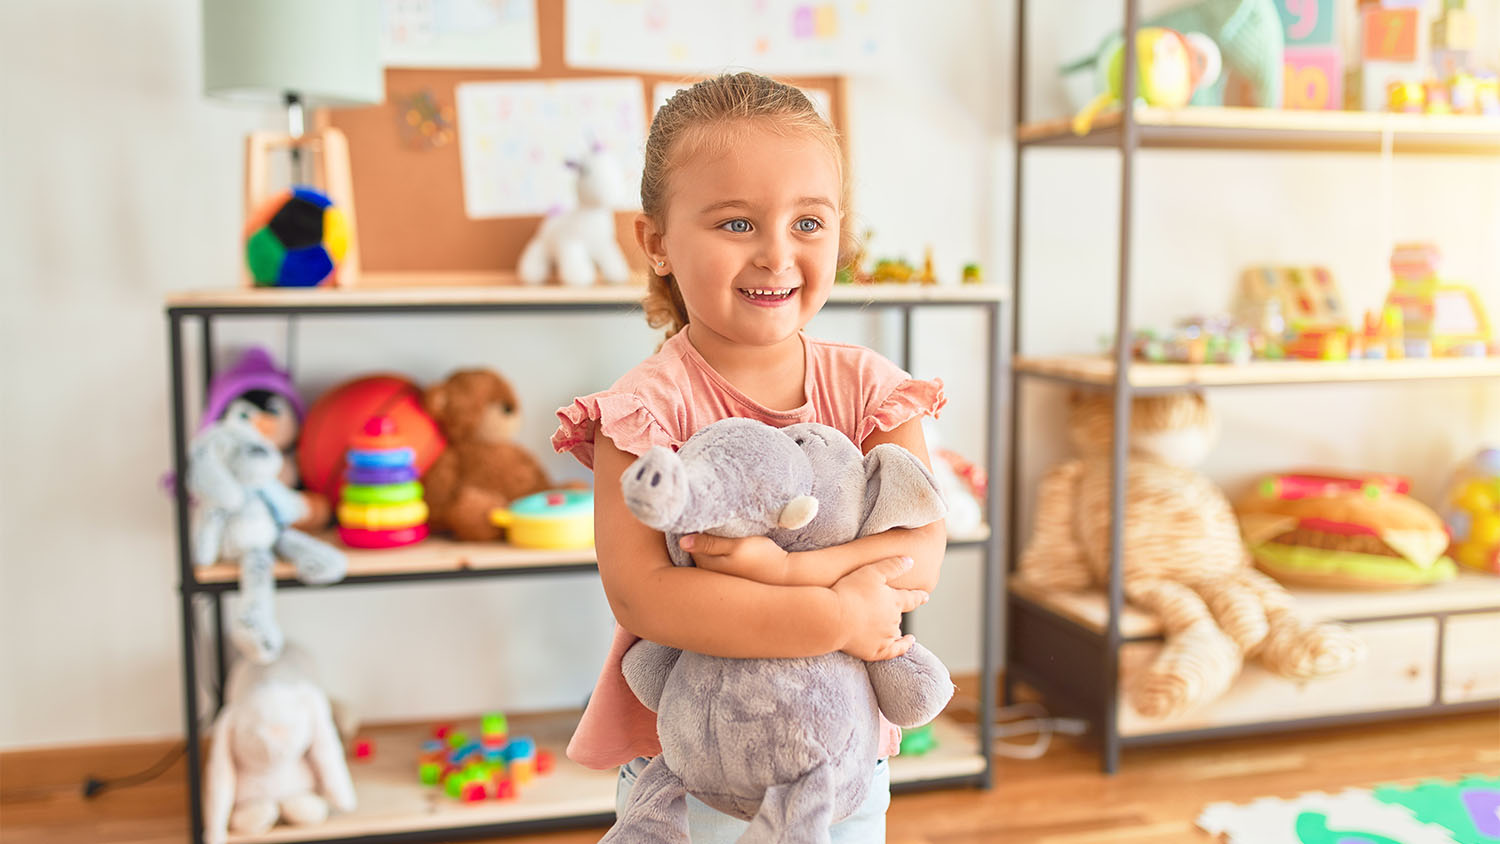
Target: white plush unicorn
(582, 238)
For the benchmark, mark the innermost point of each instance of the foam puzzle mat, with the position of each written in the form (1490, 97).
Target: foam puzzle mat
(1466, 811)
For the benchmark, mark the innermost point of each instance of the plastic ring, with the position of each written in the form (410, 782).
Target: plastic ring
(384, 458)
(381, 493)
(385, 475)
(395, 538)
(382, 516)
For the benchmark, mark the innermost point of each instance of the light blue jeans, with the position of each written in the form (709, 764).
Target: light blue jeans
(710, 826)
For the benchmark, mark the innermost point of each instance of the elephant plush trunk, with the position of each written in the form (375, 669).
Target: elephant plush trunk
(656, 488)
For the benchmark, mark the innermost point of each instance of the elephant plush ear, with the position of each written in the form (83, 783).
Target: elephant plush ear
(798, 512)
(900, 492)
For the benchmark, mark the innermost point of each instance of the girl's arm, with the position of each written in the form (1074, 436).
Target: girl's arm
(712, 613)
(759, 559)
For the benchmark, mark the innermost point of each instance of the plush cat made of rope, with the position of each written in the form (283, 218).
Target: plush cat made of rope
(1184, 560)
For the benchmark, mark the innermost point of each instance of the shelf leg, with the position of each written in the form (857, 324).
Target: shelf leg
(989, 653)
(221, 661)
(186, 581)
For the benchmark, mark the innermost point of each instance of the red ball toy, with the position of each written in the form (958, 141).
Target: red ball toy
(338, 417)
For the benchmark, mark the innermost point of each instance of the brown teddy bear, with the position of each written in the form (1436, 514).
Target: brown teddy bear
(483, 468)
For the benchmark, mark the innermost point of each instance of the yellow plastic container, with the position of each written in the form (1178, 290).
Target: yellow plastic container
(557, 520)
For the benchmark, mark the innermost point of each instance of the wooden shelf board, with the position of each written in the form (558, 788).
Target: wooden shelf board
(1256, 128)
(391, 800)
(491, 290)
(439, 555)
(1100, 371)
(1469, 591)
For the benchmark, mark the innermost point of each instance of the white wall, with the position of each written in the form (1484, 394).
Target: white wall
(119, 184)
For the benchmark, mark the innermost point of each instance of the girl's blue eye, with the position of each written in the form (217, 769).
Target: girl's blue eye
(737, 226)
(809, 225)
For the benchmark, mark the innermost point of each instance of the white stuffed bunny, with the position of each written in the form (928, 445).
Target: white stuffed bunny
(243, 512)
(275, 755)
(582, 238)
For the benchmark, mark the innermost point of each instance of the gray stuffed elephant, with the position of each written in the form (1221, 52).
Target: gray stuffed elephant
(243, 512)
(788, 744)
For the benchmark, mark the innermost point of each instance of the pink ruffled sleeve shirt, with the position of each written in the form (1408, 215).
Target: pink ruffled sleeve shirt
(662, 402)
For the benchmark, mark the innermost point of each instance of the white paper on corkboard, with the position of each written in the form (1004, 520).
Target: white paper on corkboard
(515, 137)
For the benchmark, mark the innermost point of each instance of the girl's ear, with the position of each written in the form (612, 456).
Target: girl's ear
(649, 236)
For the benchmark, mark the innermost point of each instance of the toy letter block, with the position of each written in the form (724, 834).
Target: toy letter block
(1390, 35)
(1307, 23)
(1455, 30)
(1312, 78)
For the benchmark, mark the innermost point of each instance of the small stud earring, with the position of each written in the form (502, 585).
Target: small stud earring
(661, 263)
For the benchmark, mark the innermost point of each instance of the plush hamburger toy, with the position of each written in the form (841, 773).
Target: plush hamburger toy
(1344, 533)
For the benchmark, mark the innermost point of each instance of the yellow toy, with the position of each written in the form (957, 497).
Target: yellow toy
(1171, 66)
(560, 519)
(1471, 509)
(1439, 318)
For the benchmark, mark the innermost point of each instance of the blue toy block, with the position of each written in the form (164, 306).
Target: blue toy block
(1308, 23)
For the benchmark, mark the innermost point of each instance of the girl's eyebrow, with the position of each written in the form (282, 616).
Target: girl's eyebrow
(742, 204)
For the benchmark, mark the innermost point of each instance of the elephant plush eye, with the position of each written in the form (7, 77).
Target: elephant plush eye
(655, 478)
(641, 473)
(799, 441)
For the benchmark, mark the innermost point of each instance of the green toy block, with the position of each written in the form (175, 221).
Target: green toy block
(454, 785)
(493, 724)
(430, 773)
(457, 739)
(917, 741)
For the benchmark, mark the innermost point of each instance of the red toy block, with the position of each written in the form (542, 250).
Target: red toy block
(1313, 78)
(441, 731)
(504, 789)
(364, 750)
(474, 792)
(545, 762)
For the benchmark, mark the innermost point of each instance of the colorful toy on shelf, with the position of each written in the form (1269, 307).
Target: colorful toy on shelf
(918, 740)
(1211, 339)
(295, 239)
(1391, 43)
(892, 270)
(380, 503)
(1407, 96)
(1358, 532)
(1247, 34)
(1306, 295)
(1172, 65)
(494, 767)
(340, 414)
(1312, 65)
(1439, 318)
(364, 750)
(1471, 509)
(559, 519)
(1383, 337)
(973, 274)
(1317, 342)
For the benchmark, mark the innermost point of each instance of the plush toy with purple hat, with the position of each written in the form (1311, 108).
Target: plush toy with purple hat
(256, 391)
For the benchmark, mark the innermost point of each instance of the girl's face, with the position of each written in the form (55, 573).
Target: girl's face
(752, 234)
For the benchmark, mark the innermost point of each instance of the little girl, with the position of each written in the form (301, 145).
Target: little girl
(743, 197)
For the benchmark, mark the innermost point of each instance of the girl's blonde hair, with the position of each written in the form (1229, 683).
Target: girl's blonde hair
(693, 120)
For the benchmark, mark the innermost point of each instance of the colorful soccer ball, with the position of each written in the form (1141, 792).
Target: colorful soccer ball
(296, 239)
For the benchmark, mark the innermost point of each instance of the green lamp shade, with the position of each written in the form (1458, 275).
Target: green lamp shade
(326, 51)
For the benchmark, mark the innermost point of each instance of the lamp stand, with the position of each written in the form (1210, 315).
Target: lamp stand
(328, 151)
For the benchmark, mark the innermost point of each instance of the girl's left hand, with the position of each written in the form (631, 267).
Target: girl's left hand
(753, 557)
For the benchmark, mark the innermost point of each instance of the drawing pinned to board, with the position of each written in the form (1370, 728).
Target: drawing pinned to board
(460, 33)
(771, 36)
(514, 138)
(820, 99)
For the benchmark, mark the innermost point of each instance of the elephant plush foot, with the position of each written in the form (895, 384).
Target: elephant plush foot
(799, 812)
(656, 812)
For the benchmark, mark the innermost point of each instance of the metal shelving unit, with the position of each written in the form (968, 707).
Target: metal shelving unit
(1073, 661)
(403, 813)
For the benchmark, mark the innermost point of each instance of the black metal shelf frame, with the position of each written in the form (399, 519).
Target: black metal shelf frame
(996, 375)
(1077, 668)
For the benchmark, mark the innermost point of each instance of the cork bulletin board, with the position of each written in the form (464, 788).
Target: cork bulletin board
(413, 229)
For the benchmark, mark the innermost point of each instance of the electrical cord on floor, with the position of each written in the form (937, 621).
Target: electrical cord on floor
(1030, 719)
(94, 786)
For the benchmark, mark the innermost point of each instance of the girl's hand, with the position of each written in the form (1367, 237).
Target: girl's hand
(753, 558)
(872, 609)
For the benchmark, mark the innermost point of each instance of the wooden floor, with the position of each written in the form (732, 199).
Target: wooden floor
(1059, 799)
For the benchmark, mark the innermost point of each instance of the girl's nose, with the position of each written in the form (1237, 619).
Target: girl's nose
(776, 254)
